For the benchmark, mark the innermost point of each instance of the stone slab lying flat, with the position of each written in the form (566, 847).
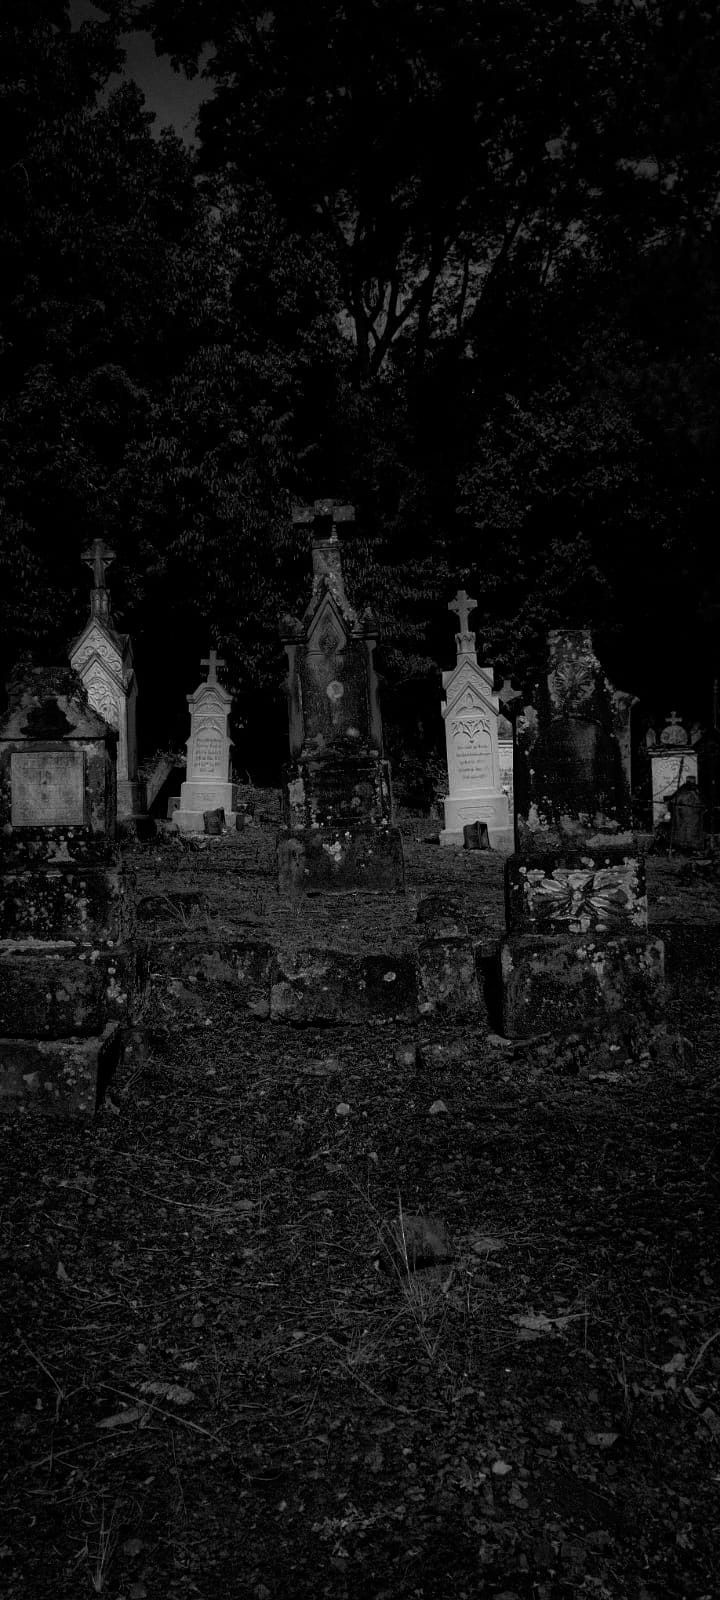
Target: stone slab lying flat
(553, 983)
(57, 988)
(67, 1077)
(584, 891)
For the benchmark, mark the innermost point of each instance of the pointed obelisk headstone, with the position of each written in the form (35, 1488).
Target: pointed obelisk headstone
(471, 714)
(337, 800)
(103, 658)
(208, 785)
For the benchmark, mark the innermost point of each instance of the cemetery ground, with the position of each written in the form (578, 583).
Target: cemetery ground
(239, 1363)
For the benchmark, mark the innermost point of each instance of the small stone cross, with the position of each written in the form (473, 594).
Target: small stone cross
(212, 662)
(99, 556)
(463, 605)
(322, 512)
(508, 700)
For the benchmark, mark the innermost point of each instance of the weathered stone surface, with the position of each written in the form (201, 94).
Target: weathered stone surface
(214, 821)
(336, 789)
(57, 764)
(576, 892)
(441, 917)
(65, 1076)
(336, 858)
(551, 983)
(68, 900)
(448, 984)
(242, 968)
(325, 986)
(577, 782)
(50, 989)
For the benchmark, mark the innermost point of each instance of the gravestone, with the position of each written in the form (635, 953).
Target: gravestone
(336, 793)
(103, 659)
(672, 760)
(471, 715)
(578, 788)
(577, 948)
(68, 962)
(687, 832)
(208, 785)
(708, 754)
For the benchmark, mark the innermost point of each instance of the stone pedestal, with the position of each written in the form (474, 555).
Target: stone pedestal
(471, 714)
(103, 659)
(208, 786)
(577, 947)
(69, 965)
(337, 784)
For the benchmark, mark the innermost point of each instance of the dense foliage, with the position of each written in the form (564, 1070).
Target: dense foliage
(456, 263)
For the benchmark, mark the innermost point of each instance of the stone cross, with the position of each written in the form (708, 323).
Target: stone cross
(463, 605)
(508, 700)
(323, 512)
(99, 556)
(212, 662)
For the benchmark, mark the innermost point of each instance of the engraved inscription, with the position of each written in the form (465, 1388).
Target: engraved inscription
(47, 788)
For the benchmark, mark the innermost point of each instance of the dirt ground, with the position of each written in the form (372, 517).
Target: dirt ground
(226, 1375)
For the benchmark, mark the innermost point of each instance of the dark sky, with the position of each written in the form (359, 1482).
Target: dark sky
(167, 93)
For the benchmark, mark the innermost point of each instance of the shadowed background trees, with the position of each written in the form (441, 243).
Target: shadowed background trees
(456, 263)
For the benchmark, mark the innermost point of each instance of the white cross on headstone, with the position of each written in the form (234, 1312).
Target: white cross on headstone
(212, 662)
(463, 605)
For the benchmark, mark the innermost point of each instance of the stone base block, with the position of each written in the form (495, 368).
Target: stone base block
(60, 988)
(502, 840)
(66, 899)
(447, 979)
(483, 805)
(329, 986)
(334, 859)
(67, 1077)
(577, 892)
(194, 821)
(555, 984)
(189, 974)
(343, 788)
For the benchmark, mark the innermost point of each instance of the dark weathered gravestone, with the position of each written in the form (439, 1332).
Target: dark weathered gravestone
(687, 830)
(578, 785)
(708, 775)
(336, 794)
(577, 946)
(68, 962)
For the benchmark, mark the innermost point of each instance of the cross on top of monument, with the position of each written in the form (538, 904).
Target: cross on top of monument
(322, 513)
(99, 556)
(212, 662)
(462, 605)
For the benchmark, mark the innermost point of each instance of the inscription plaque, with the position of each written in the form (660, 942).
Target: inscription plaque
(47, 788)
